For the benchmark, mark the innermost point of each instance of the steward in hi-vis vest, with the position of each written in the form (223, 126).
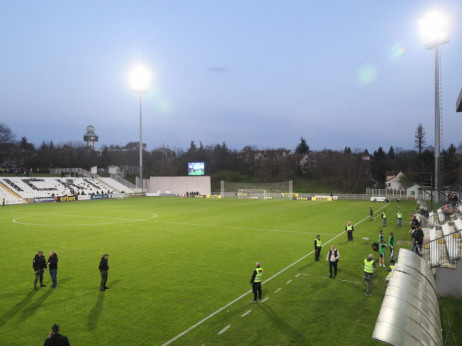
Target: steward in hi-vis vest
(349, 228)
(317, 248)
(369, 266)
(399, 216)
(255, 281)
(390, 270)
(384, 218)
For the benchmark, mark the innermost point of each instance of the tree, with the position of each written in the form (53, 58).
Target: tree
(419, 139)
(302, 147)
(391, 152)
(6, 136)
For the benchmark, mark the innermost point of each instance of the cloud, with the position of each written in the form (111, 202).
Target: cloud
(219, 69)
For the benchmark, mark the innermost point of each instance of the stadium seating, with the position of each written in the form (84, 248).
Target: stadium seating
(452, 244)
(115, 185)
(27, 187)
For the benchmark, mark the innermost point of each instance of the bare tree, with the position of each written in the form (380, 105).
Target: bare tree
(6, 136)
(419, 139)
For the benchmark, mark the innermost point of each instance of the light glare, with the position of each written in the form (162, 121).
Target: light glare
(139, 78)
(434, 28)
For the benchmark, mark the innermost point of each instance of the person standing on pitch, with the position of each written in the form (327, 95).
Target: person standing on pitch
(369, 267)
(53, 268)
(382, 247)
(56, 339)
(384, 218)
(103, 269)
(390, 270)
(317, 248)
(40, 265)
(349, 228)
(255, 281)
(371, 214)
(332, 257)
(391, 243)
(399, 216)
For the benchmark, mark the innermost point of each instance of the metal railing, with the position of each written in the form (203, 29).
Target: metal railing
(443, 250)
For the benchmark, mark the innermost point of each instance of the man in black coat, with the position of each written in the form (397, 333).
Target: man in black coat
(103, 269)
(53, 268)
(40, 265)
(419, 237)
(56, 339)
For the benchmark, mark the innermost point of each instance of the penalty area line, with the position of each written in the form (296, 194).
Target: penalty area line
(249, 291)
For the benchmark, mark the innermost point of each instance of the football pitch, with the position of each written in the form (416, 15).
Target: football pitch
(180, 271)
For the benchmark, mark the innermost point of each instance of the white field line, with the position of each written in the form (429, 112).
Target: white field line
(297, 275)
(264, 300)
(153, 216)
(224, 329)
(323, 277)
(238, 227)
(288, 282)
(246, 313)
(280, 288)
(246, 293)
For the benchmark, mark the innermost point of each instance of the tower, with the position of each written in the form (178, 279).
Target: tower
(90, 137)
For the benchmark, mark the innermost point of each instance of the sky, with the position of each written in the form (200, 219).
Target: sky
(260, 73)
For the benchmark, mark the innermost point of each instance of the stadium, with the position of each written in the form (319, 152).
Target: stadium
(255, 173)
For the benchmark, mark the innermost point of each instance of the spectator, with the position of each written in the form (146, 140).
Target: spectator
(332, 257)
(56, 339)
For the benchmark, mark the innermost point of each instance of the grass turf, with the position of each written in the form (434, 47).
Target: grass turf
(174, 262)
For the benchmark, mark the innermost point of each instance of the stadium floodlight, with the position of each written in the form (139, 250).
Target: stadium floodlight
(434, 30)
(139, 79)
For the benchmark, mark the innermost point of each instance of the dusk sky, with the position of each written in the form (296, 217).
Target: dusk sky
(261, 73)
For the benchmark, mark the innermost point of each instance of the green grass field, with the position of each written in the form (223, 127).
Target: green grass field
(174, 262)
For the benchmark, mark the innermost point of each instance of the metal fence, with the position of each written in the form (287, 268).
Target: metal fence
(443, 250)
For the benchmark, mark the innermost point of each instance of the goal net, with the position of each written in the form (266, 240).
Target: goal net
(252, 194)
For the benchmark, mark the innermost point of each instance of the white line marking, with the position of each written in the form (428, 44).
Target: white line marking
(264, 300)
(278, 290)
(80, 216)
(246, 313)
(323, 277)
(288, 282)
(246, 293)
(224, 329)
(238, 227)
(297, 275)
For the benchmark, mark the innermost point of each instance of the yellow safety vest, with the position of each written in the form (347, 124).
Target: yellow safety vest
(368, 266)
(259, 275)
(349, 228)
(384, 215)
(389, 274)
(318, 242)
(399, 215)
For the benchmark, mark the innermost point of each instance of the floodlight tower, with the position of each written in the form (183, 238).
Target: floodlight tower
(139, 81)
(434, 29)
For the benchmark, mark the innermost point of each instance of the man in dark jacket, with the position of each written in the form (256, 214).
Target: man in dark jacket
(39, 266)
(103, 269)
(419, 237)
(255, 281)
(53, 268)
(56, 339)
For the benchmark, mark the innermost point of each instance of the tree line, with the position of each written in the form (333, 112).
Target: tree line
(346, 171)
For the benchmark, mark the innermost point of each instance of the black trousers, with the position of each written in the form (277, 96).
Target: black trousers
(103, 279)
(317, 252)
(256, 287)
(350, 235)
(333, 264)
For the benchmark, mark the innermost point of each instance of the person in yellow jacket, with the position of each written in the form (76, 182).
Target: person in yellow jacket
(255, 281)
(369, 268)
(317, 248)
(349, 228)
(390, 270)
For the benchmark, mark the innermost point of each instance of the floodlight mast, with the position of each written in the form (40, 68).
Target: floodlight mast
(139, 81)
(434, 32)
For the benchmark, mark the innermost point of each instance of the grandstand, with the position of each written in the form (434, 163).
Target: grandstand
(12, 188)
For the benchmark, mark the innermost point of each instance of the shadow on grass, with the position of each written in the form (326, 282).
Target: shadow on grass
(30, 310)
(293, 334)
(96, 311)
(8, 315)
